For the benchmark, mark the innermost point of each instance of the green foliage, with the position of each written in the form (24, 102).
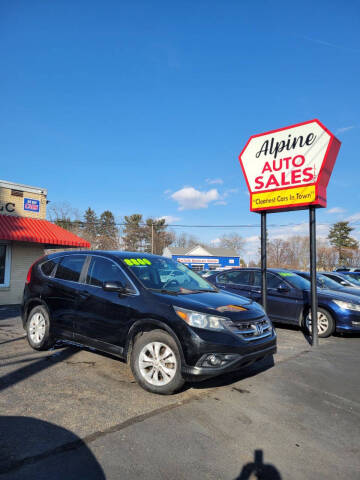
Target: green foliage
(340, 238)
(108, 235)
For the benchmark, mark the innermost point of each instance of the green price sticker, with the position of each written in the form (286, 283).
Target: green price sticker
(286, 274)
(137, 261)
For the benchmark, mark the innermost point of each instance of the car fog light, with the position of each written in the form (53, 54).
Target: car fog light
(214, 360)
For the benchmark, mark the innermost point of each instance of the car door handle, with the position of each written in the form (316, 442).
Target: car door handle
(85, 294)
(257, 291)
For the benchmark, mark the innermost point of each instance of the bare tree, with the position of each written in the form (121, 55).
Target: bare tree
(233, 241)
(184, 240)
(66, 216)
(278, 253)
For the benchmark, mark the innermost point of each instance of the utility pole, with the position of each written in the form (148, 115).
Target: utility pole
(152, 238)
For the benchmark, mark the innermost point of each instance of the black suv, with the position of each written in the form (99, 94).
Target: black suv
(171, 324)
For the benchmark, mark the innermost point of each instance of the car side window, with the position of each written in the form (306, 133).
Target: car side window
(272, 281)
(48, 267)
(70, 267)
(104, 270)
(238, 277)
(257, 279)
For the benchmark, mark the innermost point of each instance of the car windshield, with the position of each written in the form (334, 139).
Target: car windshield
(353, 276)
(167, 276)
(326, 282)
(295, 280)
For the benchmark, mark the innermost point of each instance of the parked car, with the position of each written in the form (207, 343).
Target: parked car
(181, 328)
(343, 280)
(288, 298)
(352, 276)
(327, 283)
(347, 269)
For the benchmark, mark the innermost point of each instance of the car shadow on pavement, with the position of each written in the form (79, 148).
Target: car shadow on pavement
(32, 448)
(233, 377)
(9, 311)
(258, 469)
(35, 367)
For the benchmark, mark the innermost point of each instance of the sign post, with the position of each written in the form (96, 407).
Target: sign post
(263, 261)
(289, 169)
(313, 293)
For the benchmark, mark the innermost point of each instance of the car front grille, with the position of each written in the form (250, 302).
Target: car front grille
(252, 330)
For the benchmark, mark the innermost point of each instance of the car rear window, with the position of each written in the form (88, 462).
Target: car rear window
(70, 268)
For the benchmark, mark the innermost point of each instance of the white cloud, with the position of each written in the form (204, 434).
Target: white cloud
(336, 210)
(302, 229)
(354, 218)
(252, 239)
(230, 191)
(167, 192)
(215, 241)
(220, 202)
(169, 219)
(189, 198)
(345, 129)
(214, 181)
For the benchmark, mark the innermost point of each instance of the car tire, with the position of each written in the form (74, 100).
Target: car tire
(155, 362)
(326, 323)
(38, 329)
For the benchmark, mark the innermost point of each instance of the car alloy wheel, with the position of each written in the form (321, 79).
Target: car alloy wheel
(37, 328)
(325, 323)
(157, 363)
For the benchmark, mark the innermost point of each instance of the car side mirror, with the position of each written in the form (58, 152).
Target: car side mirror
(283, 288)
(114, 287)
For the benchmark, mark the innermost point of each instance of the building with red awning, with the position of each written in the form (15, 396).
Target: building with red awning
(25, 235)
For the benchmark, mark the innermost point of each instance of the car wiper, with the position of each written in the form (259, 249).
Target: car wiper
(163, 290)
(202, 291)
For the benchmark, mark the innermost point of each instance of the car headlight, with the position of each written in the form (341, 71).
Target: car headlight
(348, 305)
(201, 320)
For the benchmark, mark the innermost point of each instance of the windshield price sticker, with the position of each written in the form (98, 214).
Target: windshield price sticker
(136, 261)
(289, 168)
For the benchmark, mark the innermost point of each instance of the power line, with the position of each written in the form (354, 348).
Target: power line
(274, 225)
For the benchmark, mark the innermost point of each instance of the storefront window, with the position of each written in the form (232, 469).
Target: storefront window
(4, 265)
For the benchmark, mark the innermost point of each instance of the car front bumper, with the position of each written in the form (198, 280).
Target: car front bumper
(242, 359)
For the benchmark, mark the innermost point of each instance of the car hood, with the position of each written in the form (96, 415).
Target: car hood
(338, 295)
(350, 290)
(215, 303)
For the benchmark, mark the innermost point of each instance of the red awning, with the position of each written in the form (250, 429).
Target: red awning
(33, 230)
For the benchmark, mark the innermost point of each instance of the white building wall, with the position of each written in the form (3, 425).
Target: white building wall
(23, 255)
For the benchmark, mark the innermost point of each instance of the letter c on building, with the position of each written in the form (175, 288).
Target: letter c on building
(8, 207)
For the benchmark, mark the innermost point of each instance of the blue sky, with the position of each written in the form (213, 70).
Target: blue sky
(145, 106)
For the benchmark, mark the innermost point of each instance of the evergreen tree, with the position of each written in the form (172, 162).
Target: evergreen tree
(156, 236)
(340, 238)
(108, 235)
(91, 227)
(134, 234)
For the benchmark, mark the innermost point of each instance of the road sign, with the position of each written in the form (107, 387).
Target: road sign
(289, 168)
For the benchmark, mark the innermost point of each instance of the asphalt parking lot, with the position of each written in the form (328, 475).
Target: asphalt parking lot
(73, 413)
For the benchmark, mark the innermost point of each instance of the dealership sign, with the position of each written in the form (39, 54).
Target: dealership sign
(198, 260)
(289, 168)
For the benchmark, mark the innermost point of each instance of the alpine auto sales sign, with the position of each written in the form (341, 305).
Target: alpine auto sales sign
(289, 168)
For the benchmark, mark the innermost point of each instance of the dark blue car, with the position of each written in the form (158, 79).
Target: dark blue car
(343, 280)
(289, 299)
(327, 283)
